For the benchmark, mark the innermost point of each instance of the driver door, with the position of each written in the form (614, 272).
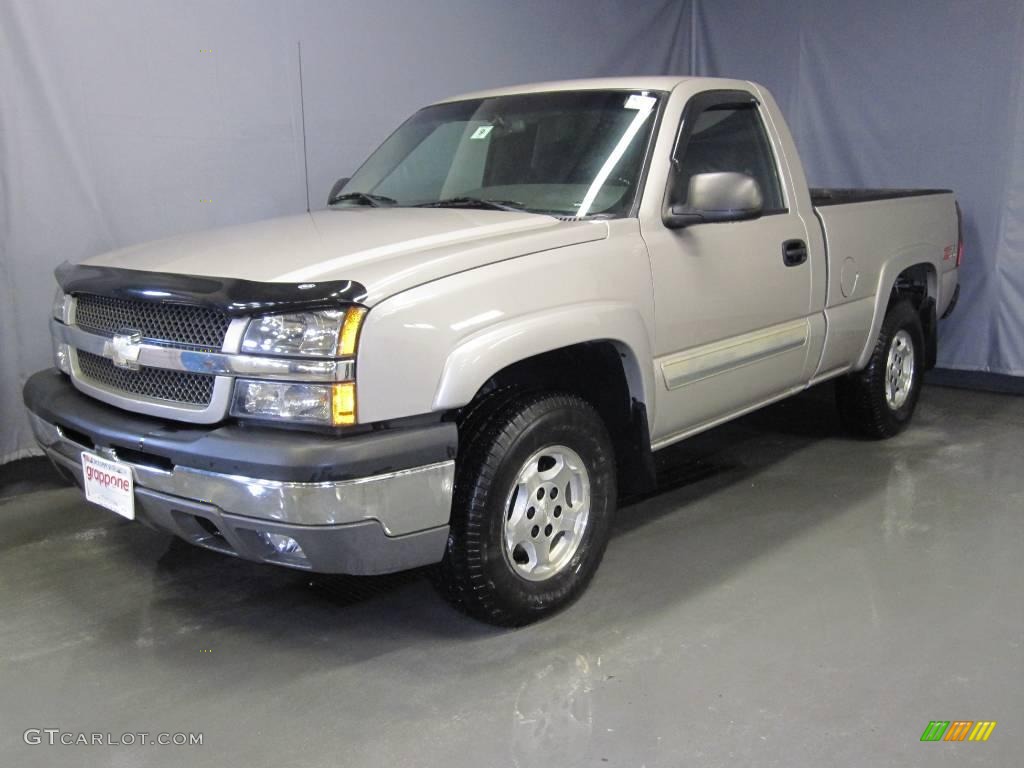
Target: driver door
(731, 305)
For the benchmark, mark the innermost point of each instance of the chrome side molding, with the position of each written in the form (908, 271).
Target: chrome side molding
(716, 358)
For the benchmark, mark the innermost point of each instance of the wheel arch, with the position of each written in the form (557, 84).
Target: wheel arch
(565, 351)
(912, 275)
(481, 356)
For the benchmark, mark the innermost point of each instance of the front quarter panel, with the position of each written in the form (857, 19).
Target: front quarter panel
(432, 347)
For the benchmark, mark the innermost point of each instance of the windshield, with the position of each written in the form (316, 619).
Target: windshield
(568, 153)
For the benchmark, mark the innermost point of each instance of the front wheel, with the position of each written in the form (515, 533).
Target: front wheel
(879, 401)
(535, 492)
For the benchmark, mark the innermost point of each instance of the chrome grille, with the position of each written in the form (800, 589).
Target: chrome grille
(158, 383)
(178, 325)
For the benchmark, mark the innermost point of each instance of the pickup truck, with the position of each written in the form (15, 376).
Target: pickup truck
(469, 355)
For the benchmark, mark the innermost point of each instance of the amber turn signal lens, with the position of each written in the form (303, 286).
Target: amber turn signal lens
(349, 335)
(343, 404)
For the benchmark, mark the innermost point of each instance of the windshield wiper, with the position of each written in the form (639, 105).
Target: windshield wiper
(475, 202)
(366, 198)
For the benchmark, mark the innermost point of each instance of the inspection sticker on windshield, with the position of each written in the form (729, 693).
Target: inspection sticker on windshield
(638, 101)
(109, 484)
(482, 132)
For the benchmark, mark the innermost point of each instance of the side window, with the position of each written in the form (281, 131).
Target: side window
(730, 138)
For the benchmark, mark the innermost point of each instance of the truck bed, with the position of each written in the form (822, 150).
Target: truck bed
(822, 196)
(863, 241)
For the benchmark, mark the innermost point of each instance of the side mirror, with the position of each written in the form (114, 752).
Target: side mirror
(336, 189)
(717, 197)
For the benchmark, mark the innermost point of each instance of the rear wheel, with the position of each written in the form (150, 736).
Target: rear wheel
(534, 496)
(879, 401)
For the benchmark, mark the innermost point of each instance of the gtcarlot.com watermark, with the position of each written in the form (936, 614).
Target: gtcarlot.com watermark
(56, 737)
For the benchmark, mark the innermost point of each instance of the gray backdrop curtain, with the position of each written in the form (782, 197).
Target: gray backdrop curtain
(124, 120)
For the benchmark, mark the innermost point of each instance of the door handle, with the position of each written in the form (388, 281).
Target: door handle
(794, 253)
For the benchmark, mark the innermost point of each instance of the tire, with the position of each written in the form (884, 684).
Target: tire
(535, 492)
(870, 404)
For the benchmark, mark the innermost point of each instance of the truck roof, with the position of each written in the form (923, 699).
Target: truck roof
(646, 83)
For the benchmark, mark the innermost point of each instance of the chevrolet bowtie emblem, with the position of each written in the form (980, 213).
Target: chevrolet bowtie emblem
(123, 349)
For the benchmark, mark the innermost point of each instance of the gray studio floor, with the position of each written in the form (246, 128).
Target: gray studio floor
(791, 597)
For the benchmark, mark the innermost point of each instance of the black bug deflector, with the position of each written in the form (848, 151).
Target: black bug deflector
(233, 296)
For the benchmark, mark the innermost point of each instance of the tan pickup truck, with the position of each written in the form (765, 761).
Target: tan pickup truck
(479, 343)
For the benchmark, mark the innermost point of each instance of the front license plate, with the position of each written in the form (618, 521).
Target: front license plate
(109, 484)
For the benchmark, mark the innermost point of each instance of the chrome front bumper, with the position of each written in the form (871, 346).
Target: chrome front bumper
(381, 522)
(403, 502)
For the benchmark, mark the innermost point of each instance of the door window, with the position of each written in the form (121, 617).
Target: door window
(730, 138)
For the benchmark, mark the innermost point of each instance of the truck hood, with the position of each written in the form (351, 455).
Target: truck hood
(387, 250)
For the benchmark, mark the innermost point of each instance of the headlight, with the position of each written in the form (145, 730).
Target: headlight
(325, 404)
(327, 333)
(61, 306)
